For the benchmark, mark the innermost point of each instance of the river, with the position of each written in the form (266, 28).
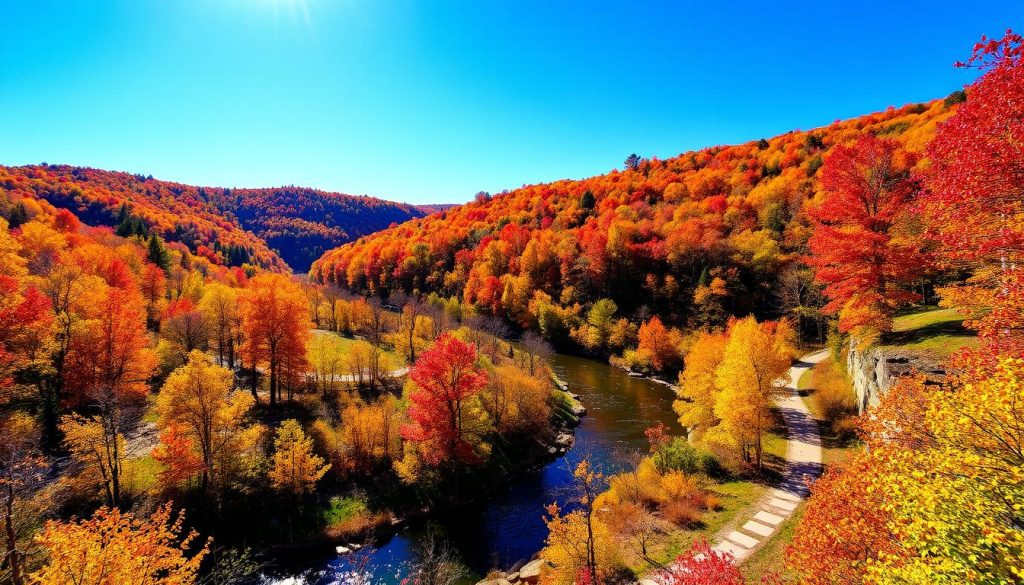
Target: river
(509, 525)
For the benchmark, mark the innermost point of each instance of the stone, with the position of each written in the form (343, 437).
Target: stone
(513, 577)
(530, 573)
(552, 451)
(768, 518)
(782, 504)
(518, 565)
(564, 439)
(742, 539)
(342, 550)
(758, 528)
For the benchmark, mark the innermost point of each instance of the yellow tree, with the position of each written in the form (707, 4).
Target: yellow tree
(197, 402)
(697, 386)
(115, 548)
(101, 454)
(219, 306)
(749, 378)
(296, 468)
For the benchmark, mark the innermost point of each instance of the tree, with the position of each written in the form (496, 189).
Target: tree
(276, 327)
(219, 307)
(98, 449)
(658, 441)
(115, 547)
(846, 526)
(447, 380)
(296, 468)
(633, 162)
(754, 360)
(658, 344)
(21, 476)
(860, 251)
(578, 542)
(536, 348)
(975, 196)
(197, 402)
(184, 328)
(698, 390)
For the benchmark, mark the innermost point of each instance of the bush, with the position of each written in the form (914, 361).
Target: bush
(833, 397)
(682, 514)
(681, 455)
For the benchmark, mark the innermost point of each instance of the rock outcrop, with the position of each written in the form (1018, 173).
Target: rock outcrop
(874, 370)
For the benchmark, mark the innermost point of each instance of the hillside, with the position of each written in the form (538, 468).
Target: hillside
(691, 239)
(273, 228)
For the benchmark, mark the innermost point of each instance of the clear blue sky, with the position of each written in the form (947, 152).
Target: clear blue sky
(432, 101)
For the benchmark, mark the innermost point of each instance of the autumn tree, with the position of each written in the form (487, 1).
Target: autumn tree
(578, 541)
(861, 249)
(659, 345)
(219, 307)
(22, 470)
(197, 403)
(296, 469)
(442, 421)
(276, 327)
(99, 450)
(116, 547)
(975, 198)
(183, 329)
(754, 362)
(698, 389)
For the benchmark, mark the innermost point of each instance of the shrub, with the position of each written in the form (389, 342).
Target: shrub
(682, 514)
(681, 455)
(833, 397)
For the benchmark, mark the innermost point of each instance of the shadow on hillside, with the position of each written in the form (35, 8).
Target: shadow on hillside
(951, 328)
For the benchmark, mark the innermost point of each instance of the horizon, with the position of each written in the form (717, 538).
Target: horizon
(449, 112)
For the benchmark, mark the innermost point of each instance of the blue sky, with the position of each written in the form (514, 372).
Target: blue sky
(434, 101)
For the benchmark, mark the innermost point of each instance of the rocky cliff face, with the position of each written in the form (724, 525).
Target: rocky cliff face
(874, 370)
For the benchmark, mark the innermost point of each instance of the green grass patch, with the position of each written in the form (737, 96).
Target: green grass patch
(735, 497)
(937, 332)
(338, 345)
(141, 474)
(343, 508)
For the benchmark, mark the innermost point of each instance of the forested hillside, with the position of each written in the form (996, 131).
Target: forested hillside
(691, 239)
(272, 228)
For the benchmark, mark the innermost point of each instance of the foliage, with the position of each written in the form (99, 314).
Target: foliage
(444, 417)
(115, 547)
(296, 469)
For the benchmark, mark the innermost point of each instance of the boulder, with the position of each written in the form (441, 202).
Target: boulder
(342, 550)
(530, 573)
(497, 581)
(564, 439)
(513, 577)
(518, 565)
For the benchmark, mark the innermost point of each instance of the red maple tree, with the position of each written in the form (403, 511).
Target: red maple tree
(446, 376)
(856, 250)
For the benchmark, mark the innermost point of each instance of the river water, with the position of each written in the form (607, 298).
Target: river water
(508, 526)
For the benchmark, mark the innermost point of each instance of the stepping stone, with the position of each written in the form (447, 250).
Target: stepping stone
(742, 539)
(782, 504)
(758, 528)
(726, 547)
(768, 518)
(784, 495)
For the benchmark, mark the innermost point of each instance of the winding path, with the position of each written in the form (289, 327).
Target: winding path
(803, 464)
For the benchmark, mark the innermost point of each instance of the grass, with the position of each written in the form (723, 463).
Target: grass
(342, 345)
(734, 496)
(141, 474)
(937, 332)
